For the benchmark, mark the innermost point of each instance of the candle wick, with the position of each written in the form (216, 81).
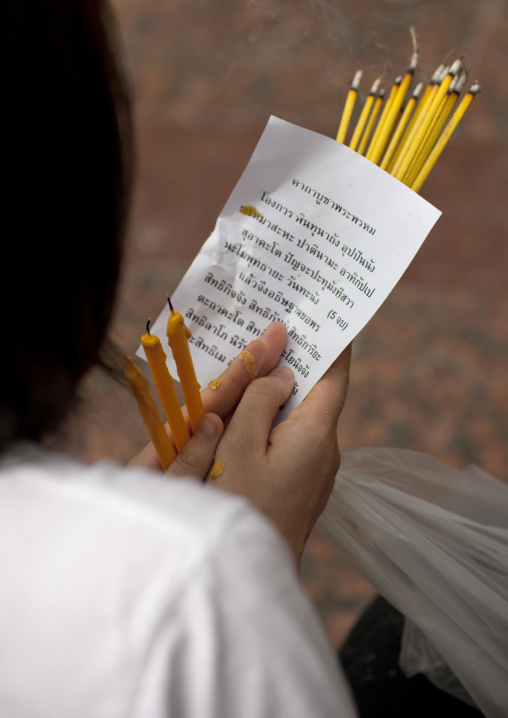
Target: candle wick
(170, 305)
(148, 326)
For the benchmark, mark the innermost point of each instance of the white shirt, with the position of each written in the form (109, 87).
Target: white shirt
(126, 594)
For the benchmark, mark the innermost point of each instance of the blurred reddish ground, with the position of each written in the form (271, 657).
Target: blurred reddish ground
(430, 370)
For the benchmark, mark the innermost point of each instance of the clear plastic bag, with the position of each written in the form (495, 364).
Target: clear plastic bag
(434, 542)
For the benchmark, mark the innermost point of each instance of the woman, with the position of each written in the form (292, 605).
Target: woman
(126, 591)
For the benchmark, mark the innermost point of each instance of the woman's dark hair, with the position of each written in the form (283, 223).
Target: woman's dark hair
(66, 163)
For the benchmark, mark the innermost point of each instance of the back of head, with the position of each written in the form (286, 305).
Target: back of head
(66, 166)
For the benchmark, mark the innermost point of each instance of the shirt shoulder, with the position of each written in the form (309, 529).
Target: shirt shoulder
(183, 596)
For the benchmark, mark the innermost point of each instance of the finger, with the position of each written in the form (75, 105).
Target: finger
(252, 420)
(197, 456)
(326, 399)
(258, 359)
(275, 337)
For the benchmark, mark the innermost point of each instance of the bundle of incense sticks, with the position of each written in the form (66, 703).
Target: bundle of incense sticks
(404, 132)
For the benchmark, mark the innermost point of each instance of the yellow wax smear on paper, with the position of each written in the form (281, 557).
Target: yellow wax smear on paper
(250, 363)
(217, 470)
(214, 384)
(250, 211)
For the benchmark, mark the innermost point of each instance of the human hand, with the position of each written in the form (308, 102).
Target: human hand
(257, 360)
(287, 472)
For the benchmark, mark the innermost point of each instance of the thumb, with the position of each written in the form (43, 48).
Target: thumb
(196, 458)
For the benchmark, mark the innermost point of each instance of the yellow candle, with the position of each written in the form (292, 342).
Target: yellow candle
(157, 361)
(148, 411)
(177, 339)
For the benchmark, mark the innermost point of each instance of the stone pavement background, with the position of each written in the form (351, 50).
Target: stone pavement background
(430, 370)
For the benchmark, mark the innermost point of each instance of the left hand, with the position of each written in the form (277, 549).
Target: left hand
(197, 457)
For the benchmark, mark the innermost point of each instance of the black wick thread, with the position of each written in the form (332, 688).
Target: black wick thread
(170, 305)
(148, 326)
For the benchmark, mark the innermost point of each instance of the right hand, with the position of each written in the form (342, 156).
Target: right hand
(287, 472)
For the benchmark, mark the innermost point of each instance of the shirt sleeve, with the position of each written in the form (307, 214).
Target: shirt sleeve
(244, 639)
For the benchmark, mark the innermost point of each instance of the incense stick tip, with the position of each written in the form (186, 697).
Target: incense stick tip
(355, 83)
(458, 82)
(455, 67)
(413, 65)
(437, 75)
(418, 90)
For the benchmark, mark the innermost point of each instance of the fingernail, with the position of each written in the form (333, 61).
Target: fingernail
(284, 372)
(207, 429)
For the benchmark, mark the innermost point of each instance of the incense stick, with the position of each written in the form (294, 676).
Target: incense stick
(436, 79)
(445, 137)
(422, 126)
(362, 120)
(389, 154)
(444, 112)
(387, 122)
(382, 119)
(370, 123)
(348, 107)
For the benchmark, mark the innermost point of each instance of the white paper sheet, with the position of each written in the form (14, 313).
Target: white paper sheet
(313, 235)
